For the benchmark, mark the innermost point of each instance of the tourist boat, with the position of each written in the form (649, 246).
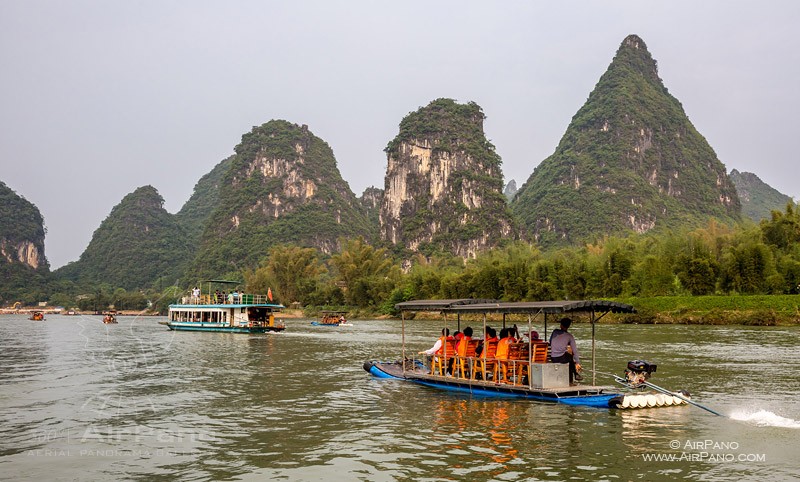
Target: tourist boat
(332, 318)
(529, 374)
(37, 316)
(209, 310)
(110, 318)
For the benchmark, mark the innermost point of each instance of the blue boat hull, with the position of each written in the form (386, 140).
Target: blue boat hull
(224, 329)
(394, 371)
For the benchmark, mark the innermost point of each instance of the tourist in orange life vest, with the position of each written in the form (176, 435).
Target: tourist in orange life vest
(489, 336)
(506, 338)
(461, 348)
(438, 347)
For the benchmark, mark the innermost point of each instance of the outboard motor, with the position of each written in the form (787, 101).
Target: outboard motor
(638, 372)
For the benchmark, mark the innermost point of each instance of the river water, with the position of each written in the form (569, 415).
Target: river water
(135, 401)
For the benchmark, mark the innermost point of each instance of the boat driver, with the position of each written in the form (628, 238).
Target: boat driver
(563, 349)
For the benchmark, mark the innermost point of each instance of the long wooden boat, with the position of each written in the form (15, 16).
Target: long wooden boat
(209, 311)
(332, 318)
(533, 377)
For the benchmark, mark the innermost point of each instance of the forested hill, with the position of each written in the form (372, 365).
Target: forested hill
(138, 243)
(283, 186)
(194, 214)
(630, 160)
(23, 266)
(758, 198)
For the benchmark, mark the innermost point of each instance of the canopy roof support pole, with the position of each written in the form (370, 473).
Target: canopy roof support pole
(403, 339)
(530, 353)
(594, 370)
(545, 327)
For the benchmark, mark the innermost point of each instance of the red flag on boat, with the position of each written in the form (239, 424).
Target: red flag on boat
(269, 293)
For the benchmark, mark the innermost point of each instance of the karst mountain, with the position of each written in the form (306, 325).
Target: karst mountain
(443, 191)
(629, 161)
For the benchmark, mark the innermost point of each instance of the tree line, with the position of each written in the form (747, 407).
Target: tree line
(716, 259)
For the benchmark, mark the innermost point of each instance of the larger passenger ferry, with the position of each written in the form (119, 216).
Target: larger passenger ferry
(222, 310)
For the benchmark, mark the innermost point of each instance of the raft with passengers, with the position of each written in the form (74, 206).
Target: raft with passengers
(208, 308)
(332, 318)
(510, 366)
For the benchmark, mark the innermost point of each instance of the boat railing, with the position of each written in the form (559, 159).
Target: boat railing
(226, 299)
(511, 370)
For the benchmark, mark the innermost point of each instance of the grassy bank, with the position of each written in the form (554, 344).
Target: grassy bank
(760, 310)
(757, 310)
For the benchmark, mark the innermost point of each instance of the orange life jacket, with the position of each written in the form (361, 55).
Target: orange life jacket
(502, 348)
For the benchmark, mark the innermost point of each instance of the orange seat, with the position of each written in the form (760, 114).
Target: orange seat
(463, 360)
(517, 363)
(540, 352)
(439, 362)
(486, 361)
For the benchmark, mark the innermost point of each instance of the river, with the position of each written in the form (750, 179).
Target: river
(135, 401)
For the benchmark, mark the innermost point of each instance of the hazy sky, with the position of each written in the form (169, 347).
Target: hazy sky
(101, 97)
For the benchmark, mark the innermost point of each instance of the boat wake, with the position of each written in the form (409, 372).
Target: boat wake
(765, 418)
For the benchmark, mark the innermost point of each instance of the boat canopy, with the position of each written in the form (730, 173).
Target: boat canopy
(531, 307)
(439, 305)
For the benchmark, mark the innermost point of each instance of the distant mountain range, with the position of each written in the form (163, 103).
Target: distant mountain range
(629, 161)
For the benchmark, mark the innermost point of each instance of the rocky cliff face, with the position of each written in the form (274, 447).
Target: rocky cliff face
(510, 190)
(283, 186)
(371, 200)
(443, 185)
(21, 231)
(630, 160)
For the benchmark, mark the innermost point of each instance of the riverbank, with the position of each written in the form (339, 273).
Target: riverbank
(756, 310)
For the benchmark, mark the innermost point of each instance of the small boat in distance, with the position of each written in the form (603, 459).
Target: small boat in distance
(233, 312)
(37, 316)
(110, 317)
(332, 318)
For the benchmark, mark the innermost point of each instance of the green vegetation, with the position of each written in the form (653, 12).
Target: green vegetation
(758, 199)
(761, 310)
(716, 274)
(138, 245)
(630, 160)
(194, 214)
